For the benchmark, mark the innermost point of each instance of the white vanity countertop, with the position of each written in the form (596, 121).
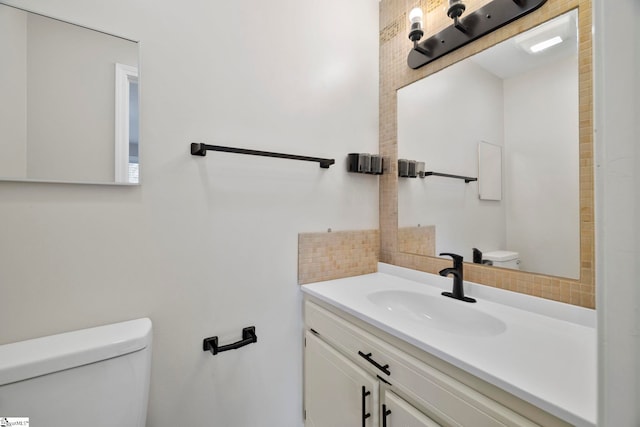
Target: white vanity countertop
(546, 356)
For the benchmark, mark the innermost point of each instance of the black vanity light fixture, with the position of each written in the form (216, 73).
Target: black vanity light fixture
(465, 29)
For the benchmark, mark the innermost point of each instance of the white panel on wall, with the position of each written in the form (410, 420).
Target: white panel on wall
(489, 171)
(617, 125)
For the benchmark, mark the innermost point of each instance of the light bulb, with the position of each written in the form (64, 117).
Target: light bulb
(415, 15)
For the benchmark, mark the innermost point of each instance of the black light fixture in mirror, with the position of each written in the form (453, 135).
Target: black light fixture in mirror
(465, 29)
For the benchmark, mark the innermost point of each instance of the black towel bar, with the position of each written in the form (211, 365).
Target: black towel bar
(199, 149)
(467, 179)
(248, 337)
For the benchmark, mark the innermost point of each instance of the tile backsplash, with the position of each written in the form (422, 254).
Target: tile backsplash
(336, 254)
(419, 240)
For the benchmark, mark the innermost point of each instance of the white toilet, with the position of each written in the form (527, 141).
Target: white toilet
(94, 377)
(504, 259)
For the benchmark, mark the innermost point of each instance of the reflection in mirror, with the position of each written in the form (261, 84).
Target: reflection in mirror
(508, 115)
(69, 104)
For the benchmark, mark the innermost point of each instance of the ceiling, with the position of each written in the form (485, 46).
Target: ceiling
(511, 57)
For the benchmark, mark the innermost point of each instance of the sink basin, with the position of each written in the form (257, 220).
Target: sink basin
(439, 312)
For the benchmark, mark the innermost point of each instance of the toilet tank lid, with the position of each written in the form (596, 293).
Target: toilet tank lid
(500, 255)
(35, 357)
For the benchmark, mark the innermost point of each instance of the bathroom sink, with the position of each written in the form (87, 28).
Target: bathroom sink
(438, 312)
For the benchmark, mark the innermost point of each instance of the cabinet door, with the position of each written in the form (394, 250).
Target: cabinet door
(396, 412)
(337, 392)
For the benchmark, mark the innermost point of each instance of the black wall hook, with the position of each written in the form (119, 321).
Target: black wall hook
(248, 337)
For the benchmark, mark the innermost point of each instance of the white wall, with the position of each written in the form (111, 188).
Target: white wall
(617, 119)
(441, 120)
(13, 90)
(206, 246)
(541, 168)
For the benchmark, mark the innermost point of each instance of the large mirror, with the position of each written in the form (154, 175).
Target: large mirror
(68, 104)
(507, 116)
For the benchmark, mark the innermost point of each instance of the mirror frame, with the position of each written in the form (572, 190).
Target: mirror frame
(395, 74)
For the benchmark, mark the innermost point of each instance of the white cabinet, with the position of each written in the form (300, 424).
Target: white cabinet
(396, 412)
(337, 391)
(341, 358)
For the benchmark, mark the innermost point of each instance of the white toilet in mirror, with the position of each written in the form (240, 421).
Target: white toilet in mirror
(504, 259)
(95, 377)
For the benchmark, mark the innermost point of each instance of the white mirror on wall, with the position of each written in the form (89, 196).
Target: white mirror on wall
(509, 116)
(69, 102)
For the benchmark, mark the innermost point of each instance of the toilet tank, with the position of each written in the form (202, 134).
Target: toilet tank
(94, 377)
(504, 259)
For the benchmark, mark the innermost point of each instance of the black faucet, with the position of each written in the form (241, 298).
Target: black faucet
(458, 278)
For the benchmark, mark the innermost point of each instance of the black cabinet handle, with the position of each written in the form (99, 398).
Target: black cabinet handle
(368, 358)
(385, 413)
(248, 336)
(365, 414)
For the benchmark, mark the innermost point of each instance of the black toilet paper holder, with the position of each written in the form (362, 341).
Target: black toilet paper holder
(248, 337)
